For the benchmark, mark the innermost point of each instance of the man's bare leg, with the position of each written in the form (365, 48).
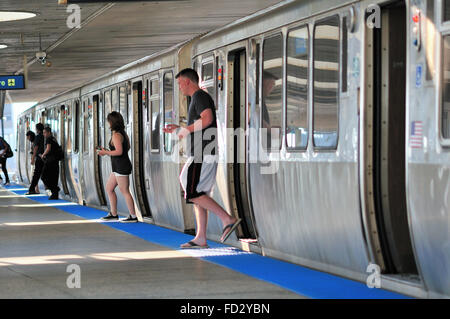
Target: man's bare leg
(201, 217)
(210, 204)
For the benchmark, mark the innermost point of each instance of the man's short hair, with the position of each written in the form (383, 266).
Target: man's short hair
(48, 129)
(39, 127)
(189, 73)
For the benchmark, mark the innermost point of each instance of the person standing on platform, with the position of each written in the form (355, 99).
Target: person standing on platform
(121, 168)
(5, 152)
(36, 160)
(199, 173)
(50, 171)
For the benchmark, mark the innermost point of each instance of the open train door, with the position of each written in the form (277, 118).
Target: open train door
(383, 146)
(237, 123)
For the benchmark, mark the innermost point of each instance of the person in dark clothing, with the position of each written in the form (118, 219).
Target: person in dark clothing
(121, 168)
(50, 171)
(4, 148)
(199, 173)
(36, 160)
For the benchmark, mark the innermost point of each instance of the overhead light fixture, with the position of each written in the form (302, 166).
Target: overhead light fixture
(3, 46)
(15, 15)
(106, 1)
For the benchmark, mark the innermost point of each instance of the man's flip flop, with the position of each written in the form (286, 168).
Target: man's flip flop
(192, 245)
(233, 228)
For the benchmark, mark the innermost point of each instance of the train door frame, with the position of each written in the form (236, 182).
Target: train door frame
(237, 119)
(105, 164)
(84, 102)
(76, 157)
(184, 60)
(19, 147)
(97, 104)
(146, 121)
(137, 103)
(28, 171)
(384, 144)
(62, 118)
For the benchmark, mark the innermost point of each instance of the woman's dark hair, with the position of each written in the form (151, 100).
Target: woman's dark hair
(116, 121)
(31, 135)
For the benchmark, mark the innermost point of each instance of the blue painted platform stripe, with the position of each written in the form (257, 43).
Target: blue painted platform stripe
(304, 281)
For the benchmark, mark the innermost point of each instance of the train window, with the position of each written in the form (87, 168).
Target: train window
(76, 133)
(108, 109)
(169, 115)
(155, 114)
(123, 104)
(207, 80)
(272, 97)
(297, 89)
(96, 107)
(258, 51)
(445, 113)
(154, 88)
(69, 126)
(207, 71)
(86, 117)
(326, 83)
(446, 10)
(146, 101)
(344, 54)
(114, 101)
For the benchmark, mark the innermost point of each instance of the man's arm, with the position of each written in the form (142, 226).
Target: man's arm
(205, 120)
(47, 150)
(33, 157)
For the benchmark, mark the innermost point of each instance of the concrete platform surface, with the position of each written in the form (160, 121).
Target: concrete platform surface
(44, 250)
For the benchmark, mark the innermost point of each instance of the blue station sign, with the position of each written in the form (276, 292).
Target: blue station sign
(12, 82)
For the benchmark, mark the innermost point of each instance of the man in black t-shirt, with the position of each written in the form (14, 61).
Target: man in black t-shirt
(199, 173)
(50, 172)
(203, 142)
(38, 149)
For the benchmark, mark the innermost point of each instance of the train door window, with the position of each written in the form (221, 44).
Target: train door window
(76, 133)
(85, 125)
(445, 108)
(97, 107)
(326, 83)
(446, 11)
(297, 89)
(272, 97)
(155, 114)
(123, 104)
(258, 63)
(68, 129)
(114, 100)
(344, 83)
(108, 109)
(207, 81)
(146, 101)
(169, 116)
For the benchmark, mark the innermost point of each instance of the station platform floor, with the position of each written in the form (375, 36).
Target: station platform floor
(59, 249)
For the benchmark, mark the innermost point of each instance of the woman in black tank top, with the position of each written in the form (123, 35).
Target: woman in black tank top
(121, 167)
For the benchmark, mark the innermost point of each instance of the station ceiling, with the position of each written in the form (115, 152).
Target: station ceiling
(111, 35)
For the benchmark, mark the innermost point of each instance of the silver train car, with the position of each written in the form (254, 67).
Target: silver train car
(333, 129)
